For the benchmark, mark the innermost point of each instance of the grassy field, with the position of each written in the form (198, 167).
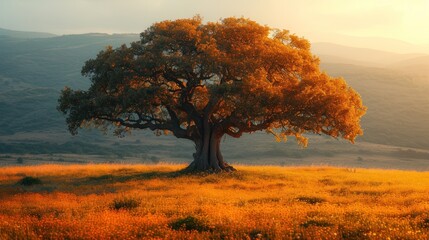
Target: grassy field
(158, 202)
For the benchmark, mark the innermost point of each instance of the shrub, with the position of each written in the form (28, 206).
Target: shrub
(126, 203)
(189, 223)
(20, 160)
(29, 181)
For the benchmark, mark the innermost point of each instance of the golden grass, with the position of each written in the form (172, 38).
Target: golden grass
(77, 202)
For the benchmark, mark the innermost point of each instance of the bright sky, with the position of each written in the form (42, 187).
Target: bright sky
(406, 20)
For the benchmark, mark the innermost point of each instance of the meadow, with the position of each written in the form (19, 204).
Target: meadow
(114, 201)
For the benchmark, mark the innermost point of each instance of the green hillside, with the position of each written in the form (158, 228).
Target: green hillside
(33, 71)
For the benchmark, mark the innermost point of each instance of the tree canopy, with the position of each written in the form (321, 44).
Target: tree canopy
(201, 81)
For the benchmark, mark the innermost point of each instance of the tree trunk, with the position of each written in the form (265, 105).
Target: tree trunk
(207, 156)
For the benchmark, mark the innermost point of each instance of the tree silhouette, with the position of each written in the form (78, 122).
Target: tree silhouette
(202, 81)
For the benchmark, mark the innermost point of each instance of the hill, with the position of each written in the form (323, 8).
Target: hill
(335, 53)
(34, 70)
(418, 66)
(158, 202)
(378, 43)
(24, 34)
(397, 104)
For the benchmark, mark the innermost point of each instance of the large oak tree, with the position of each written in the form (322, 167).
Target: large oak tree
(201, 81)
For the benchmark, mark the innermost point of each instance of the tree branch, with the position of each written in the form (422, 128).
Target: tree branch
(170, 126)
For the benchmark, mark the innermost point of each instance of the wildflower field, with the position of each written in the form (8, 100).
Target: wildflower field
(256, 202)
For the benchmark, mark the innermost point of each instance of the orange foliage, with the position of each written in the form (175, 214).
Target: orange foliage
(236, 74)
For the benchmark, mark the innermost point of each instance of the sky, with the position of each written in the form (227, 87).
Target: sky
(317, 20)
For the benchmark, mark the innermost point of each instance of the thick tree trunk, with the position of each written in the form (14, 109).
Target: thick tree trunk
(207, 156)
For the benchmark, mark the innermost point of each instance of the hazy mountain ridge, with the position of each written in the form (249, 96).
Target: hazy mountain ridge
(361, 56)
(24, 34)
(33, 71)
(379, 43)
(394, 87)
(418, 66)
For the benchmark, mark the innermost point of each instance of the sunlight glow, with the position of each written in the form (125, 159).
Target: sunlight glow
(398, 19)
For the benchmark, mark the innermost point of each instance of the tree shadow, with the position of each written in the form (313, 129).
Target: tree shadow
(123, 178)
(108, 183)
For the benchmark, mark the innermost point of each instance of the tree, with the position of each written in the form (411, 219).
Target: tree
(203, 81)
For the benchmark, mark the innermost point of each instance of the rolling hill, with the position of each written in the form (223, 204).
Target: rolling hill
(34, 69)
(397, 104)
(335, 53)
(24, 34)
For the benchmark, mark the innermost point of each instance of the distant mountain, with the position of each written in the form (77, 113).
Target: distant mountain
(379, 43)
(418, 66)
(22, 34)
(330, 52)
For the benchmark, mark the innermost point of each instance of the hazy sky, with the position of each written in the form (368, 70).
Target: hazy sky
(406, 20)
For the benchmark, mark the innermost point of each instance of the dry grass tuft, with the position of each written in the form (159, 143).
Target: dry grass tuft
(29, 181)
(126, 203)
(189, 223)
(311, 200)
